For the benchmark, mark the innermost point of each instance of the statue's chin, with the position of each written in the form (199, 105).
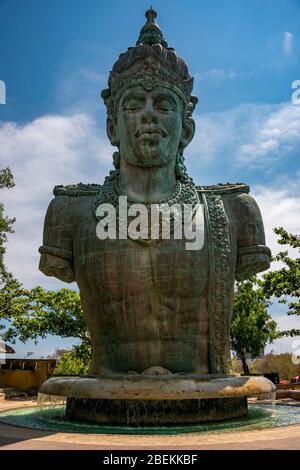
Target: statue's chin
(149, 160)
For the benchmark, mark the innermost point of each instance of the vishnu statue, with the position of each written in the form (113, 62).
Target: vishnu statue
(152, 306)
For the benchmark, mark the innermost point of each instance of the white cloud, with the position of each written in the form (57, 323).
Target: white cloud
(48, 151)
(279, 207)
(292, 345)
(286, 322)
(276, 134)
(215, 75)
(287, 42)
(249, 134)
(216, 131)
(76, 90)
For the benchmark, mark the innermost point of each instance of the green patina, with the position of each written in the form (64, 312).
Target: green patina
(154, 305)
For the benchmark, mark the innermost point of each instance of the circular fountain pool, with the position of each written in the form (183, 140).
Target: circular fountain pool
(260, 416)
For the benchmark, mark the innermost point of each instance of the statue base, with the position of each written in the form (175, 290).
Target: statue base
(155, 412)
(141, 400)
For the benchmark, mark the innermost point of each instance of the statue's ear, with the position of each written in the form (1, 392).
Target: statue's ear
(188, 132)
(111, 132)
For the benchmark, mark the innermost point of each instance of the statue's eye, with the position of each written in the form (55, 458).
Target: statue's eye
(132, 105)
(165, 105)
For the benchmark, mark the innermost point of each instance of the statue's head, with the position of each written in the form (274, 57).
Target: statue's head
(149, 102)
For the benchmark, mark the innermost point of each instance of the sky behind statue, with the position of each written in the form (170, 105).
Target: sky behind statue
(55, 59)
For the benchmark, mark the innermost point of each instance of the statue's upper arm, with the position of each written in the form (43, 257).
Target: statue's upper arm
(253, 255)
(56, 251)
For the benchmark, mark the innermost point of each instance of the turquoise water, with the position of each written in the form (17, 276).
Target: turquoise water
(53, 419)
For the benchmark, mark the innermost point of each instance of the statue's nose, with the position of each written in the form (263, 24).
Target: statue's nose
(148, 113)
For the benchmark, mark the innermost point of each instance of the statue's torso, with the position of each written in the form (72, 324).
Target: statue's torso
(146, 304)
(156, 304)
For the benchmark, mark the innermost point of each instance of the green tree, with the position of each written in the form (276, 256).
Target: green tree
(8, 284)
(284, 283)
(252, 327)
(236, 365)
(6, 181)
(34, 314)
(14, 299)
(76, 361)
(58, 354)
(281, 363)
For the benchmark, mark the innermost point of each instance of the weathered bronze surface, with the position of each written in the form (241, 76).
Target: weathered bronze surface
(155, 412)
(152, 306)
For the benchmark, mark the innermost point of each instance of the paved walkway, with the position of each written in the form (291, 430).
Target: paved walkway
(16, 438)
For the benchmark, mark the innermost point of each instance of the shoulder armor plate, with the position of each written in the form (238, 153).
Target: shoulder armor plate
(224, 188)
(79, 189)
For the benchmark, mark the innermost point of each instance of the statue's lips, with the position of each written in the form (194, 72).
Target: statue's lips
(150, 130)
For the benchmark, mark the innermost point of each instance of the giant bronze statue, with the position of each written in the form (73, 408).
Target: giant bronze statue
(158, 314)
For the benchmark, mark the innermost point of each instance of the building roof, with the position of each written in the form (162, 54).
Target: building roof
(4, 348)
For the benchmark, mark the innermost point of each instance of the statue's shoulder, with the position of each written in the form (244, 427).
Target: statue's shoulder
(68, 202)
(235, 196)
(224, 189)
(77, 190)
(236, 199)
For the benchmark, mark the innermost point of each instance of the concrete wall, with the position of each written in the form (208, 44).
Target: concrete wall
(16, 376)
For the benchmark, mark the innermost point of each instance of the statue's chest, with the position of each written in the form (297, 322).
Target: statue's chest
(119, 269)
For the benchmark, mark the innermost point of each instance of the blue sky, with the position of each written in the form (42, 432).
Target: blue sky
(42, 42)
(55, 57)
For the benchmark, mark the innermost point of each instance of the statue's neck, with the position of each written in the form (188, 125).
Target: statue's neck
(146, 185)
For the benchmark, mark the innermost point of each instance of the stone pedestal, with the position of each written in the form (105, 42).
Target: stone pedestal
(157, 400)
(155, 412)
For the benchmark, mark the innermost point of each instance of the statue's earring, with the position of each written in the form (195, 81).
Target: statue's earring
(179, 167)
(116, 160)
(188, 132)
(111, 132)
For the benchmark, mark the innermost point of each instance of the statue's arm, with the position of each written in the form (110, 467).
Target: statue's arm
(56, 251)
(253, 256)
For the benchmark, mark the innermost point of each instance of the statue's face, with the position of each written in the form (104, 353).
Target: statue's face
(149, 126)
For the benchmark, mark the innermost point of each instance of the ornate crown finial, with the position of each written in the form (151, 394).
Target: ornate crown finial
(151, 15)
(150, 32)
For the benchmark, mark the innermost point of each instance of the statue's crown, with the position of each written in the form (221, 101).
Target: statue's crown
(150, 32)
(149, 64)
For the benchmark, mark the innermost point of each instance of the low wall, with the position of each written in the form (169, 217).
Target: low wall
(290, 390)
(289, 386)
(25, 374)
(22, 379)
